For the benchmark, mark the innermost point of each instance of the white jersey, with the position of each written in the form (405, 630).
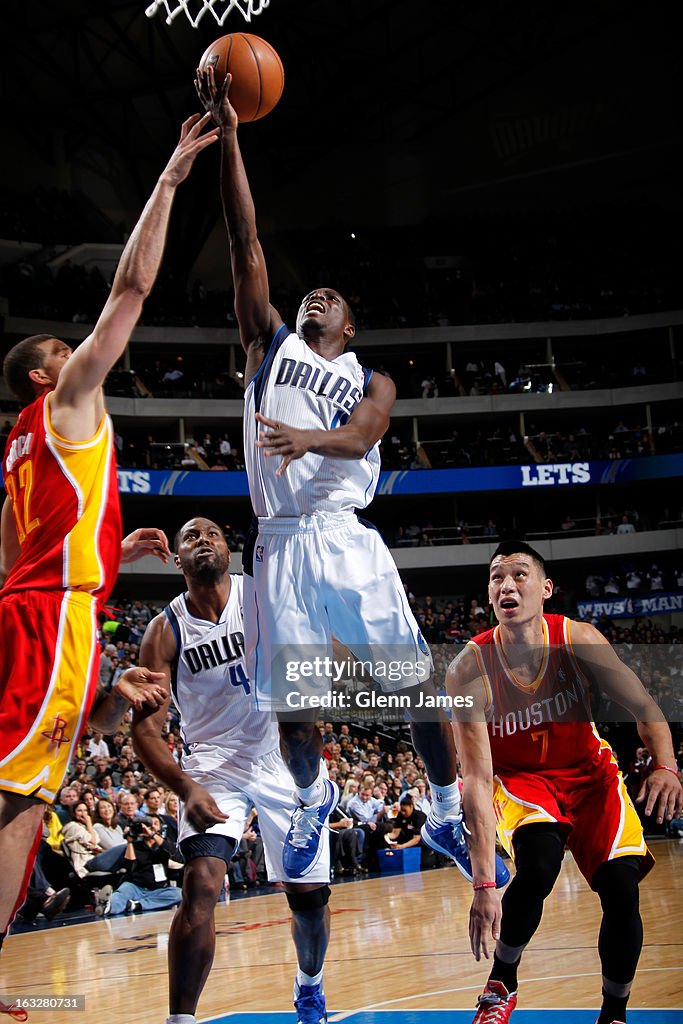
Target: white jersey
(210, 685)
(295, 385)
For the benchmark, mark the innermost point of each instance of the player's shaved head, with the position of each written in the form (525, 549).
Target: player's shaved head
(201, 551)
(325, 310)
(200, 522)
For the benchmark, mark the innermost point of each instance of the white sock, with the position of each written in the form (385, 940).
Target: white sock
(445, 801)
(313, 794)
(181, 1018)
(308, 979)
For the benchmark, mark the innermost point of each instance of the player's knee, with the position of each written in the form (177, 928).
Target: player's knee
(296, 734)
(616, 883)
(539, 850)
(207, 857)
(311, 899)
(202, 884)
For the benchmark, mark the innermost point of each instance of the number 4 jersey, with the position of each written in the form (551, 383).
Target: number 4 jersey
(210, 685)
(65, 501)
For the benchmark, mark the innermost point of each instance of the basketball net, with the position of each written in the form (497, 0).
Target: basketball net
(219, 8)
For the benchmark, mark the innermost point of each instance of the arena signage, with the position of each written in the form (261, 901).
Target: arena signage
(507, 478)
(134, 481)
(182, 483)
(631, 607)
(194, 483)
(560, 473)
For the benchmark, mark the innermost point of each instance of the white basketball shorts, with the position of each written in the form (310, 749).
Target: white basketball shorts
(320, 576)
(236, 784)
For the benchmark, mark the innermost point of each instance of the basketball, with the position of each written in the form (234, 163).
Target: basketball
(258, 77)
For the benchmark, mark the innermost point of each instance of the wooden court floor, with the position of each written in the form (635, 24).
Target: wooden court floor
(399, 946)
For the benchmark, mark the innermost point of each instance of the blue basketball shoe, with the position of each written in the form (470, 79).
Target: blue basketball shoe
(309, 1003)
(304, 841)
(448, 837)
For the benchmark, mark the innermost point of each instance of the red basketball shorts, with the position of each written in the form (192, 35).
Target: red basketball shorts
(48, 677)
(589, 803)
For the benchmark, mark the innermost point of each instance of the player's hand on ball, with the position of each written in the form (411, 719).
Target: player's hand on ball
(281, 439)
(485, 917)
(145, 541)
(139, 686)
(216, 101)
(201, 809)
(192, 142)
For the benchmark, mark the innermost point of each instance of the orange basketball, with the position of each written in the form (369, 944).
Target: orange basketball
(258, 77)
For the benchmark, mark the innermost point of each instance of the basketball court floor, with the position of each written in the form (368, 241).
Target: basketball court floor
(399, 954)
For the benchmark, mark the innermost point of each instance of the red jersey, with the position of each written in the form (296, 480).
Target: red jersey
(545, 725)
(66, 506)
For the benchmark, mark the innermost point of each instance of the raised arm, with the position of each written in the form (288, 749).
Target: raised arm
(257, 319)
(157, 652)
(77, 404)
(463, 679)
(366, 425)
(601, 664)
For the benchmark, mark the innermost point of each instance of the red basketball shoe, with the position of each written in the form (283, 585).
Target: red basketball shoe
(14, 1012)
(495, 1004)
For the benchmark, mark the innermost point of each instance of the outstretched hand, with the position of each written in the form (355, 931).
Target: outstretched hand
(281, 439)
(145, 541)
(485, 917)
(190, 144)
(139, 686)
(664, 795)
(216, 101)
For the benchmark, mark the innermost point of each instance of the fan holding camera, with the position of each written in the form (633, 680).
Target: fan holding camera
(147, 886)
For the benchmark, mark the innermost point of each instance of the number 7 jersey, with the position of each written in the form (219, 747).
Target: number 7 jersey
(545, 725)
(66, 508)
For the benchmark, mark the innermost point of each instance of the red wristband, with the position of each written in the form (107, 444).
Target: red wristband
(483, 885)
(665, 768)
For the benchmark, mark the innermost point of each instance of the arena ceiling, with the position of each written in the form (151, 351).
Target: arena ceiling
(393, 110)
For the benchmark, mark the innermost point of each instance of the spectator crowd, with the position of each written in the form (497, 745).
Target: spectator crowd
(109, 841)
(505, 269)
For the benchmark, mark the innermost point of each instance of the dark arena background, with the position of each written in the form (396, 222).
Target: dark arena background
(496, 190)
